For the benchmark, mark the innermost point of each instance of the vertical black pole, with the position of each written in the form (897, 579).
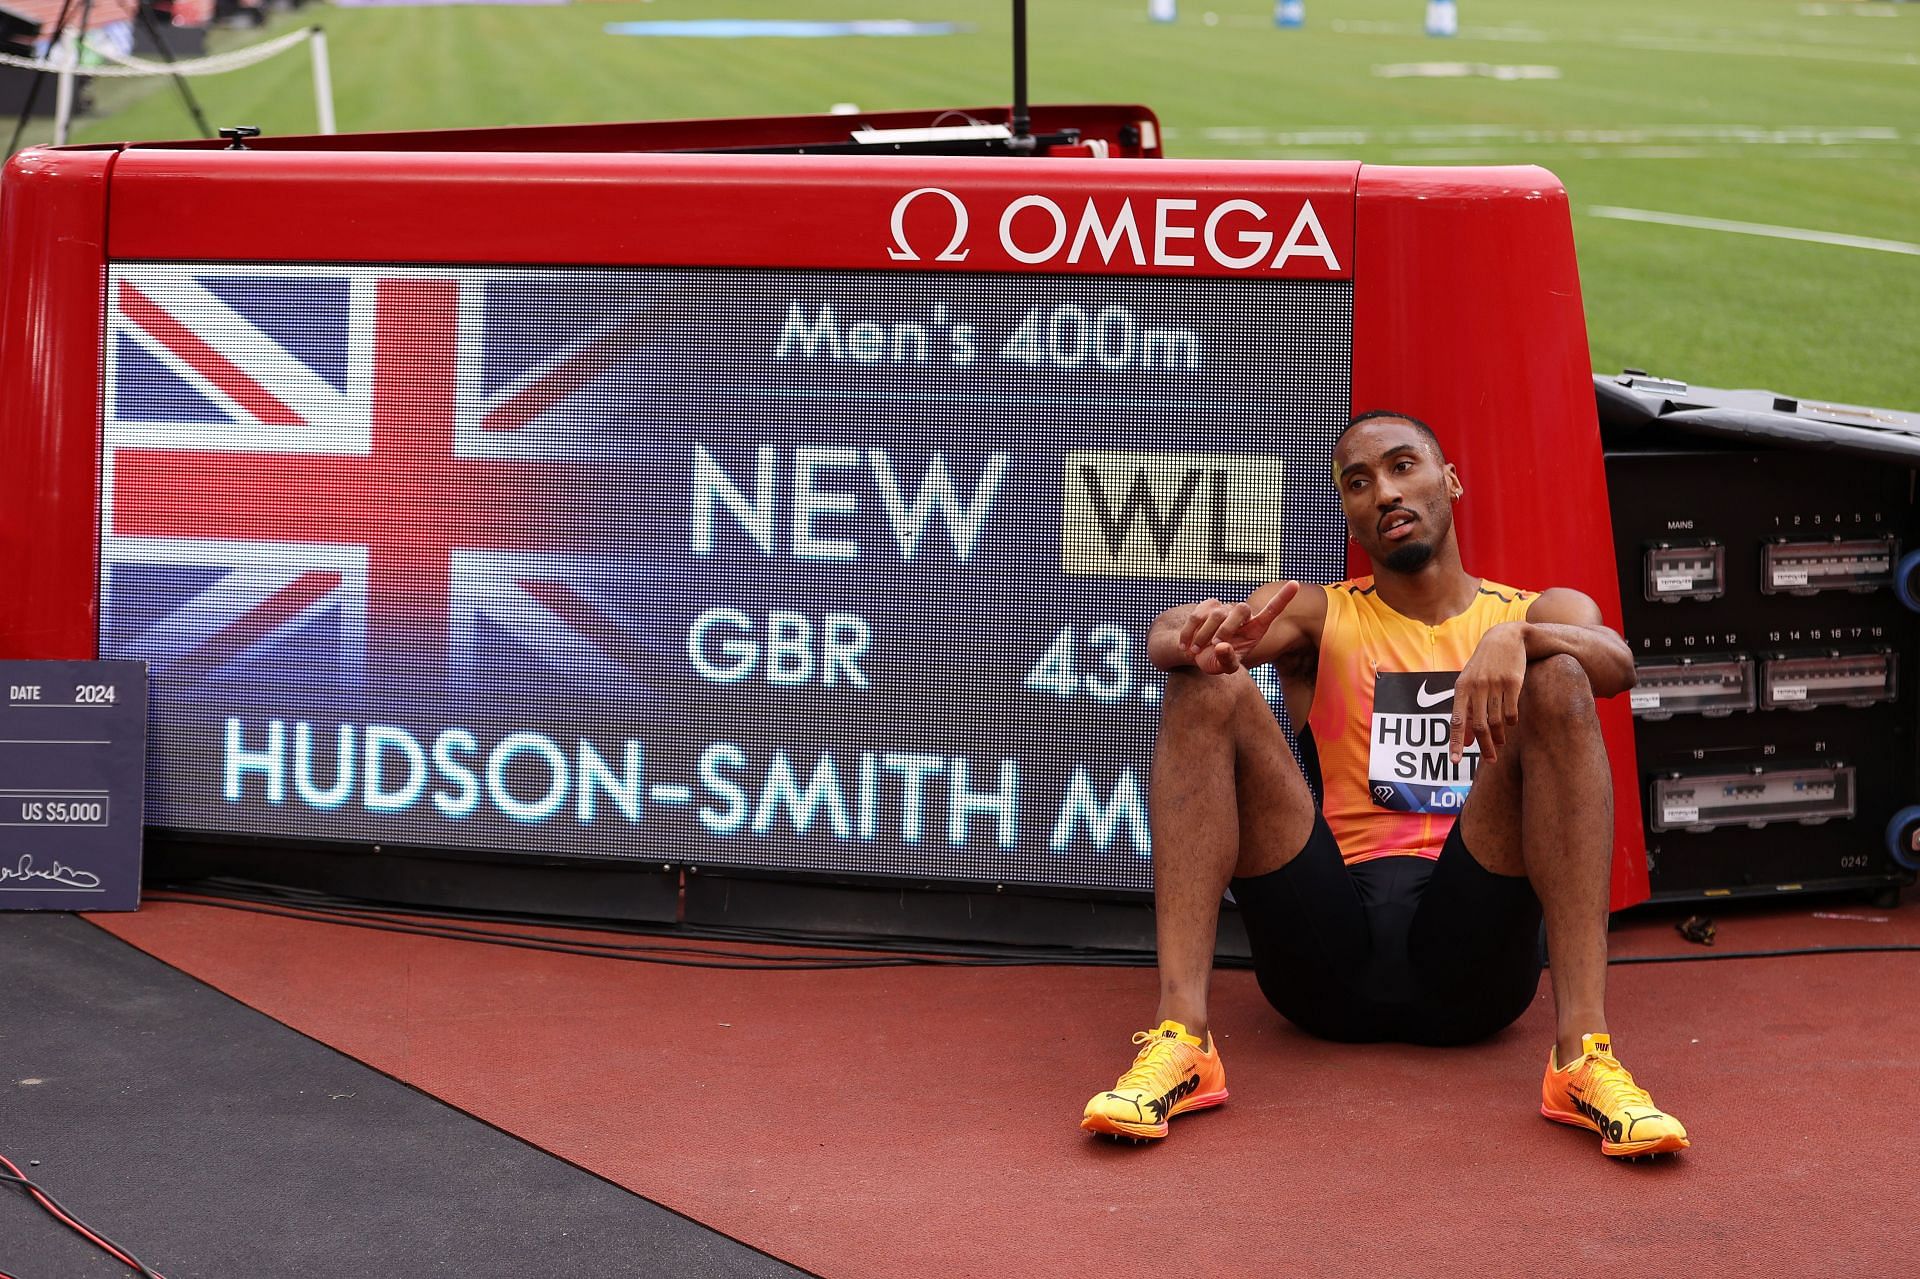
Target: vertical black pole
(1022, 124)
(166, 55)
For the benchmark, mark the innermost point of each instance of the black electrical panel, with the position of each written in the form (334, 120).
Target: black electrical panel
(1779, 668)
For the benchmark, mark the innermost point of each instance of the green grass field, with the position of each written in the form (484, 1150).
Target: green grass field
(1774, 112)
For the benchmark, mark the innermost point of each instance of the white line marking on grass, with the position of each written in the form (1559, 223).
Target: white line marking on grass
(1852, 10)
(1507, 155)
(1667, 44)
(1754, 228)
(1361, 27)
(1455, 70)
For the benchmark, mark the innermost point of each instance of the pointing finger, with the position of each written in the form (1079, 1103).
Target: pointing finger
(1277, 603)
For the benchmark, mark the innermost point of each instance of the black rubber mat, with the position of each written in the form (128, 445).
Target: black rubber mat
(211, 1141)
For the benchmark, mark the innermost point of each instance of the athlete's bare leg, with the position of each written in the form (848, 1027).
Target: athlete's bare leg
(1544, 809)
(1226, 799)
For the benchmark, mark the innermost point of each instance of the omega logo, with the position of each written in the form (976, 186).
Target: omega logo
(1036, 229)
(903, 252)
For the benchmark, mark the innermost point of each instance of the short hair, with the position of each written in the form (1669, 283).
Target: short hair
(1377, 415)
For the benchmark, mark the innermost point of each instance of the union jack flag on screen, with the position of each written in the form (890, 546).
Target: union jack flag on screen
(360, 476)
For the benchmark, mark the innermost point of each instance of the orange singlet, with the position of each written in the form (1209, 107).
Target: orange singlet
(1382, 710)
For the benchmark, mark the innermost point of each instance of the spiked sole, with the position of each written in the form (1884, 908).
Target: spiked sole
(1107, 1126)
(1667, 1145)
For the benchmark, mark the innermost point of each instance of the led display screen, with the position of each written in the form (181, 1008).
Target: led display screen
(833, 572)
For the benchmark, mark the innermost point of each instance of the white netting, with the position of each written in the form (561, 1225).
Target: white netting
(131, 67)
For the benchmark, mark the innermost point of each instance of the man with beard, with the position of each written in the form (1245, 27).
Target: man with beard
(1465, 794)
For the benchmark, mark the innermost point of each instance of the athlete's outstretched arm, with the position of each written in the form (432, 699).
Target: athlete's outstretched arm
(1560, 621)
(1222, 638)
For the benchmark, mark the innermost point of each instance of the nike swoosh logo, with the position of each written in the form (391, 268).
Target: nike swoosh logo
(1427, 699)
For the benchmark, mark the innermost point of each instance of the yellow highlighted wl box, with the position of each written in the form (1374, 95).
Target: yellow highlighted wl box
(1172, 515)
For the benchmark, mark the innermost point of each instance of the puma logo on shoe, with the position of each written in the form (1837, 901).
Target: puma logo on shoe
(1632, 1120)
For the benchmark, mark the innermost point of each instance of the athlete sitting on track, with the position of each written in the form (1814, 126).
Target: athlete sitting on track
(1406, 907)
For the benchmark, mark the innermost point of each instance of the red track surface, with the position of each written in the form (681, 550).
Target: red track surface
(875, 1124)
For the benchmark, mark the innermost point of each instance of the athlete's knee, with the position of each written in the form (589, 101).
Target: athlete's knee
(1194, 696)
(1556, 689)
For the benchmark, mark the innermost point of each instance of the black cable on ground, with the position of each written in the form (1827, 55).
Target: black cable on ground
(267, 894)
(1785, 953)
(757, 937)
(397, 921)
(410, 921)
(14, 1177)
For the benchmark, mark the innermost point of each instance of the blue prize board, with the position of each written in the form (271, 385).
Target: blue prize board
(73, 752)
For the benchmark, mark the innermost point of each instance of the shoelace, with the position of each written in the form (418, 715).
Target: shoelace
(1613, 1087)
(1152, 1070)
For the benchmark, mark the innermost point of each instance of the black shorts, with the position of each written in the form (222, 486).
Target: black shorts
(1411, 949)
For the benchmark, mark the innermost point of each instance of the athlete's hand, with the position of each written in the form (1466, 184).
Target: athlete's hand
(1486, 700)
(1217, 637)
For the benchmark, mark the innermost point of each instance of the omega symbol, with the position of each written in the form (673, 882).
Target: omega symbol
(903, 252)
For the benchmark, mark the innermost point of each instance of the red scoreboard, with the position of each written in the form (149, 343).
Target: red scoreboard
(654, 493)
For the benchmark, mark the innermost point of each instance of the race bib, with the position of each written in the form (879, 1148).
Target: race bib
(1407, 765)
